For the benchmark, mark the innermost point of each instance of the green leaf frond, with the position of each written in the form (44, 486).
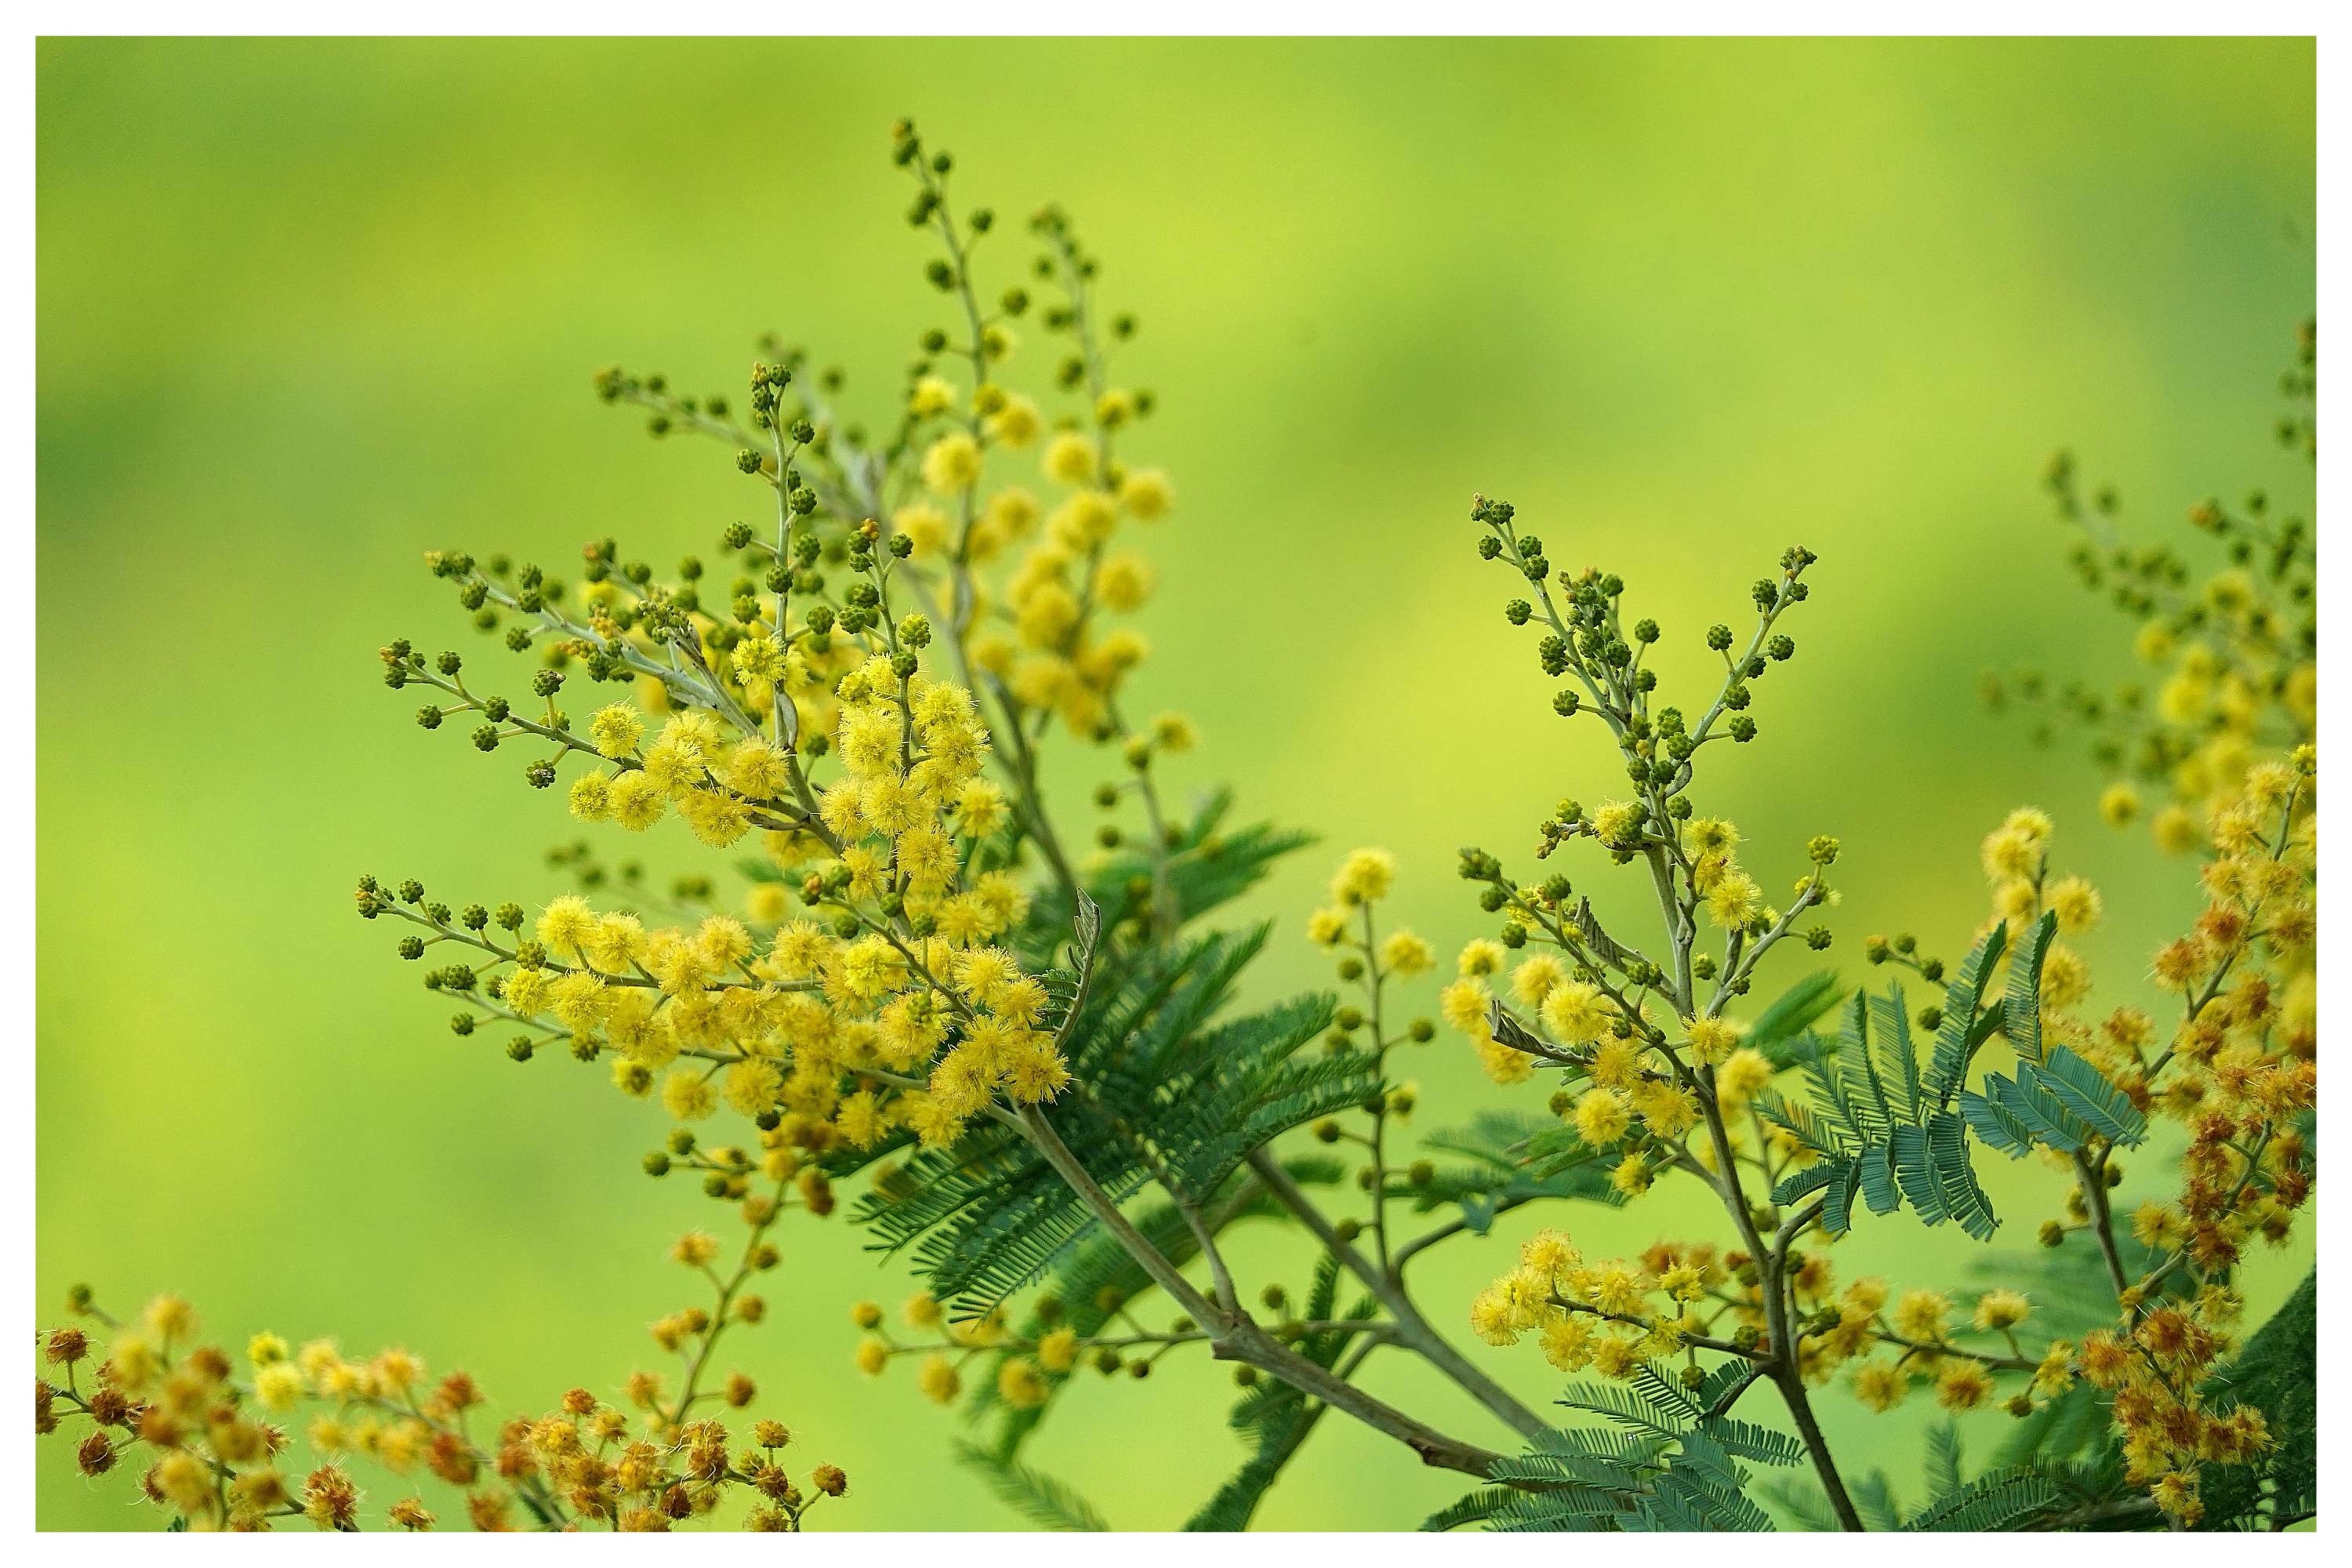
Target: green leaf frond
(1045, 1502)
(1661, 1463)
(1160, 1093)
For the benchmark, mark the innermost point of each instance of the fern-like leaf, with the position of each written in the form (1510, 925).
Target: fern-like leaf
(1776, 1029)
(1966, 1025)
(2022, 1007)
(1045, 1502)
(2086, 1091)
(1998, 1500)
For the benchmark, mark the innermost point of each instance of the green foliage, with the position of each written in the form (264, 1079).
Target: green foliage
(2057, 1099)
(2274, 1373)
(1276, 1417)
(1472, 1508)
(1998, 1500)
(1776, 1030)
(1668, 1459)
(1160, 1094)
(1095, 1278)
(1204, 869)
(2060, 1103)
(2009, 1497)
(1884, 1128)
(1045, 1502)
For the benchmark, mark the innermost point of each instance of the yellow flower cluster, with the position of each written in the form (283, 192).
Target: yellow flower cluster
(2231, 693)
(1032, 622)
(2016, 858)
(1040, 636)
(2239, 1066)
(1612, 1316)
(1733, 900)
(2238, 1071)
(2153, 1366)
(2235, 648)
(1919, 1339)
(1028, 1367)
(1363, 880)
(219, 1452)
(891, 1002)
(1631, 1083)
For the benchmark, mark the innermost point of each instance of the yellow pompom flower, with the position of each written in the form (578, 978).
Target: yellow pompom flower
(1069, 459)
(716, 819)
(1577, 1012)
(2065, 978)
(687, 1096)
(1462, 1005)
(1404, 955)
(1618, 824)
(1921, 1315)
(636, 801)
(279, 1385)
(938, 1380)
(591, 797)
(1712, 1040)
(2002, 1309)
(615, 731)
(1734, 901)
(1743, 1076)
(1016, 424)
(1632, 1175)
(1085, 521)
(1602, 1116)
(758, 659)
(1012, 511)
(930, 395)
(1710, 836)
(1174, 733)
(2176, 829)
(1481, 956)
(1147, 495)
(1363, 878)
(1123, 582)
(1490, 1319)
(1668, 1109)
(1534, 979)
(1548, 1252)
(1962, 1385)
(1500, 1063)
(1881, 1384)
(2011, 854)
(952, 464)
(566, 925)
(1568, 1342)
(1021, 1384)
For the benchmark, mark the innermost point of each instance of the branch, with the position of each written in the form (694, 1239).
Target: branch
(1414, 1331)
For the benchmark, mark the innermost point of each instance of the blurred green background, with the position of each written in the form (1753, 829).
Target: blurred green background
(307, 309)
